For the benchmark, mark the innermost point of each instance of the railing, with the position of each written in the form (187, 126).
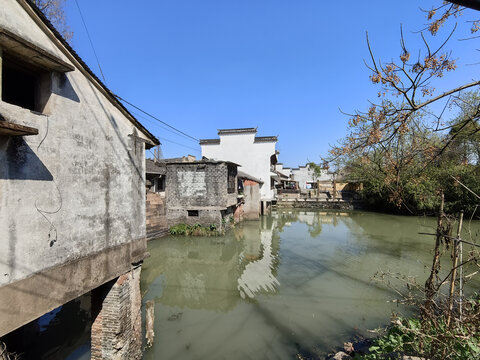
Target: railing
(288, 191)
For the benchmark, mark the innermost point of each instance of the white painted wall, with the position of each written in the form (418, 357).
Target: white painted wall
(283, 170)
(254, 158)
(304, 175)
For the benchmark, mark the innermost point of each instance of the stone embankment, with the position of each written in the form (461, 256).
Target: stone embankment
(312, 203)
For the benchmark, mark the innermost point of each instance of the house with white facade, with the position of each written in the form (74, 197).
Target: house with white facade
(284, 171)
(256, 155)
(305, 176)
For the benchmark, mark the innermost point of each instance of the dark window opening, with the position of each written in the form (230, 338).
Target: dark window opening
(192, 212)
(160, 184)
(23, 85)
(232, 173)
(240, 187)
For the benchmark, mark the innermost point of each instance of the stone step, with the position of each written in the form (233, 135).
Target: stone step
(157, 234)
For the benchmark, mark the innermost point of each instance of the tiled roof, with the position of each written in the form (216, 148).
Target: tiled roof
(244, 175)
(153, 167)
(209, 141)
(203, 161)
(237, 131)
(259, 139)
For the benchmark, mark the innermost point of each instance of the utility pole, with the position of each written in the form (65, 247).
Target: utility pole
(158, 153)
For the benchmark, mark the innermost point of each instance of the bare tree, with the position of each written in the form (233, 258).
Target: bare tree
(400, 127)
(54, 11)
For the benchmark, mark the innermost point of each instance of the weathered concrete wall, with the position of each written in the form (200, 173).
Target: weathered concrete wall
(116, 313)
(156, 221)
(27, 299)
(252, 206)
(72, 191)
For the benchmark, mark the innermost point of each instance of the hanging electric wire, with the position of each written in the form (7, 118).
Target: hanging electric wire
(157, 119)
(173, 142)
(91, 43)
(177, 131)
(161, 126)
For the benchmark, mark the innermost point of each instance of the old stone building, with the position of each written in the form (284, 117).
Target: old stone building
(72, 187)
(201, 192)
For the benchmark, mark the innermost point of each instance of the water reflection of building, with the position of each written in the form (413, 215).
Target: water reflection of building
(214, 273)
(259, 273)
(198, 273)
(313, 219)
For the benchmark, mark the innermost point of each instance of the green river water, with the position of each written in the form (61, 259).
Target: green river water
(295, 282)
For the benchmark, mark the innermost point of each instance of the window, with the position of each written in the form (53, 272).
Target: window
(27, 70)
(232, 173)
(160, 184)
(192, 212)
(24, 84)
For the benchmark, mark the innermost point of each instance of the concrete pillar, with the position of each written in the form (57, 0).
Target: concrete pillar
(1, 71)
(117, 322)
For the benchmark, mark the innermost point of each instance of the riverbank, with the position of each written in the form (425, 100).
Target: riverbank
(321, 204)
(415, 338)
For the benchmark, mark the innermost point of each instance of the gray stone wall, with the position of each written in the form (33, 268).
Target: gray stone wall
(201, 188)
(205, 217)
(196, 185)
(314, 204)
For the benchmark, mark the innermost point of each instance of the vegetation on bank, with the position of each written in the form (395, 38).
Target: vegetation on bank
(431, 339)
(200, 230)
(196, 230)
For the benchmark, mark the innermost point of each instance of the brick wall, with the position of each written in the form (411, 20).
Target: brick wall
(116, 313)
(156, 223)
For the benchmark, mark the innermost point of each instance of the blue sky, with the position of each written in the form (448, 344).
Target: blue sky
(286, 66)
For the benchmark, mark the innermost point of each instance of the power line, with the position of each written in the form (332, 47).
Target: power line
(173, 142)
(120, 98)
(161, 126)
(91, 43)
(153, 117)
